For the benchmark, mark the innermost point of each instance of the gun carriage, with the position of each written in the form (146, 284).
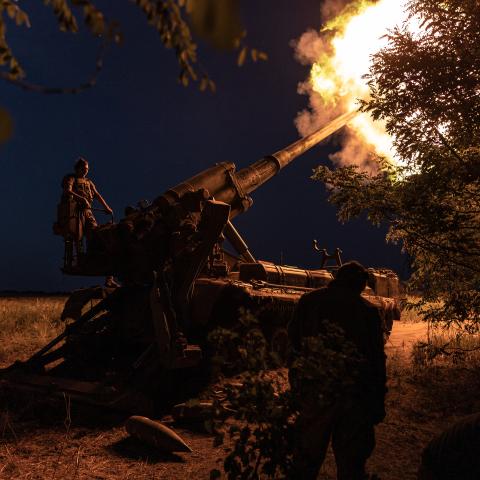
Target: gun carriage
(125, 346)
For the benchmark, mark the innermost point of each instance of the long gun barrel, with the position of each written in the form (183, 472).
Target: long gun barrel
(135, 246)
(226, 185)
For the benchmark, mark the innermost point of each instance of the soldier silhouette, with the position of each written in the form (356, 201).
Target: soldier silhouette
(76, 220)
(82, 191)
(349, 418)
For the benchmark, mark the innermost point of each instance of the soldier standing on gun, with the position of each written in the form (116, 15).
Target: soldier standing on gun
(349, 418)
(83, 191)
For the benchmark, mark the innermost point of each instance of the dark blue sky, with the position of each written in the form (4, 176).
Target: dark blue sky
(142, 133)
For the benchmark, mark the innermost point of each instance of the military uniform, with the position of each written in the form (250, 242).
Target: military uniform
(350, 418)
(86, 188)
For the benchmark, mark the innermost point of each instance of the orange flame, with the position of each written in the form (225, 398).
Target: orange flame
(337, 74)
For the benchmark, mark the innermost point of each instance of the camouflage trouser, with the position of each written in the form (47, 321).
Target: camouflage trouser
(352, 435)
(88, 221)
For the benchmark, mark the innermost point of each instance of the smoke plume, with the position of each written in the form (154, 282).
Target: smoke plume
(331, 8)
(309, 48)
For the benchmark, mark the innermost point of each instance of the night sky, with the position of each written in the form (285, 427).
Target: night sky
(142, 133)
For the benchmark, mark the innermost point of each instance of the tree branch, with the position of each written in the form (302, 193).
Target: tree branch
(33, 87)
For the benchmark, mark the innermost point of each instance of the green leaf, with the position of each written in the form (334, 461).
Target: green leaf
(11, 10)
(242, 56)
(203, 84)
(6, 126)
(215, 474)
(217, 22)
(262, 56)
(22, 18)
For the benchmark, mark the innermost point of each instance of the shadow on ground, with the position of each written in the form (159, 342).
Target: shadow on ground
(136, 450)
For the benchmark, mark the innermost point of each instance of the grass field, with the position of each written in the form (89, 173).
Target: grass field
(68, 441)
(27, 323)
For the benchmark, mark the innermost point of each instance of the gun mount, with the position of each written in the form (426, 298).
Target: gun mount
(177, 279)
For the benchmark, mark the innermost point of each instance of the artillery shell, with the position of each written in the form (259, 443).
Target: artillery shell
(155, 434)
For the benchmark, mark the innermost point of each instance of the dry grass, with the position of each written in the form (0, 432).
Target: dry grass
(442, 344)
(92, 453)
(41, 442)
(27, 323)
(445, 346)
(409, 314)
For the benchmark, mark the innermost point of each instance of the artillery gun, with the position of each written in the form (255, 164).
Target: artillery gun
(123, 347)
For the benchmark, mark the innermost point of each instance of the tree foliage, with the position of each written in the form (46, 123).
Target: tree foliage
(177, 22)
(174, 20)
(426, 86)
(264, 408)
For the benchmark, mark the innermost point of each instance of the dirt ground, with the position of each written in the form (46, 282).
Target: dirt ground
(65, 443)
